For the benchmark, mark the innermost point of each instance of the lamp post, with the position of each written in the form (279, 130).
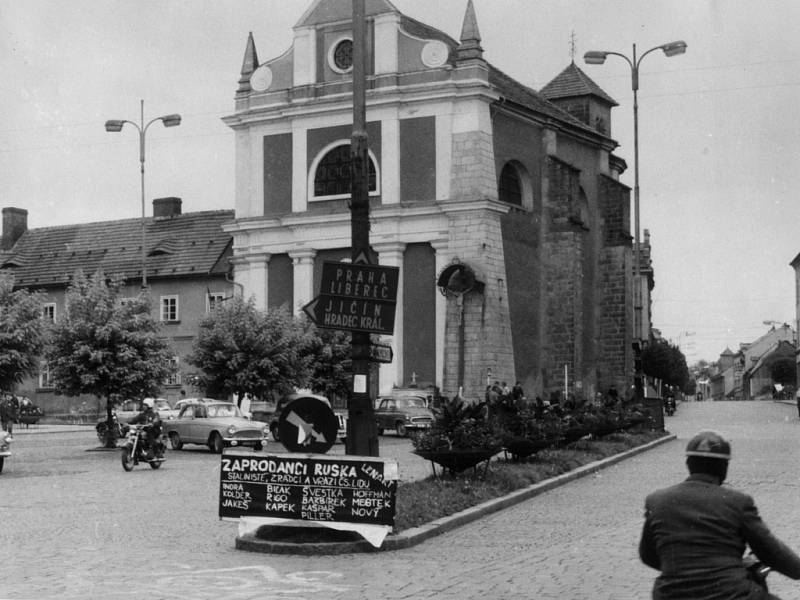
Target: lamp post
(598, 57)
(115, 126)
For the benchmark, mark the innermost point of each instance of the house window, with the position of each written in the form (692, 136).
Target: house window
(169, 308)
(49, 312)
(174, 378)
(214, 300)
(332, 173)
(45, 380)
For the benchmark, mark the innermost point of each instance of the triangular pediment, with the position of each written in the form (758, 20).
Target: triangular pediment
(335, 11)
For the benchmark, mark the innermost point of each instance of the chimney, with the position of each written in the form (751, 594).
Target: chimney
(15, 223)
(166, 208)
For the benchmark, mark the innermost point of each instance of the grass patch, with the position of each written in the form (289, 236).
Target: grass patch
(423, 501)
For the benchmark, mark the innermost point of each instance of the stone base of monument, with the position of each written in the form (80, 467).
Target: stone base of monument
(284, 539)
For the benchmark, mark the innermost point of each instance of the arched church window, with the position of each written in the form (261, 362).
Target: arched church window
(332, 174)
(515, 186)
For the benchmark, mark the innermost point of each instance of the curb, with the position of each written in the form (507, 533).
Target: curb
(417, 535)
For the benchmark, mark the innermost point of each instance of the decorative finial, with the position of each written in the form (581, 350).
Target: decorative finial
(572, 45)
(249, 64)
(470, 41)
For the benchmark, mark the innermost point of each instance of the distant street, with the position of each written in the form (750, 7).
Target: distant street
(75, 525)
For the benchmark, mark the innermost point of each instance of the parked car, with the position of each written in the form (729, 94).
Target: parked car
(262, 411)
(403, 414)
(341, 415)
(216, 425)
(164, 409)
(128, 409)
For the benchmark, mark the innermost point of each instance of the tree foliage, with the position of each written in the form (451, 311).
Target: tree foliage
(105, 346)
(664, 361)
(22, 333)
(243, 350)
(331, 365)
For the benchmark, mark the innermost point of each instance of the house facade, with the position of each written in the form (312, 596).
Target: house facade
(188, 271)
(472, 173)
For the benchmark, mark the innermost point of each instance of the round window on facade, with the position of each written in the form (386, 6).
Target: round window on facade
(341, 56)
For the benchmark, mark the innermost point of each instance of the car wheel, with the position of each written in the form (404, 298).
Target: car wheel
(401, 429)
(273, 429)
(216, 443)
(258, 446)
(175, 440)
(2, 460)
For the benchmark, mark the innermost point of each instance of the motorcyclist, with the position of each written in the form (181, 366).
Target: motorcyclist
(151, 431)
(695, 532)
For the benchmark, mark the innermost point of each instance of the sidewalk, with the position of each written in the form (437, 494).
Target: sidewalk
(38, 428)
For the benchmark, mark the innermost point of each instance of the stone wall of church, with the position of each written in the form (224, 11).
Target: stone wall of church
(615, 356)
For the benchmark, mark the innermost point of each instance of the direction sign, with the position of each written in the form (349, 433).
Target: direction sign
(380, 353)
(367, 282)
(351, 314)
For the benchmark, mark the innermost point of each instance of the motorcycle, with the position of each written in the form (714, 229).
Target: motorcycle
(134, 452)
(669, 405)
(5, 447)
(756, 571)
(120, 429)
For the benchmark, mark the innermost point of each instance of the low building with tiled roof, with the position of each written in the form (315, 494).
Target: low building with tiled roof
(468, 167)
(187, 270)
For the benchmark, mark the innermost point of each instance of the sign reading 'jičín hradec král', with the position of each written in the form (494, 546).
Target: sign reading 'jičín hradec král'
(308, 487)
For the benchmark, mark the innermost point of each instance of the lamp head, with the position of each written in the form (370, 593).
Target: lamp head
(674, 48)
(595, 57)
(171, 120)
(114, 125)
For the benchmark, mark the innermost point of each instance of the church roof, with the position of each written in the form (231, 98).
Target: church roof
(190, 244)
(573, 82)
(325, 11)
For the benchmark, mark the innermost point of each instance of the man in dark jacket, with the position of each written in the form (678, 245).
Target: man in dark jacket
(695, 532)
(152, 424)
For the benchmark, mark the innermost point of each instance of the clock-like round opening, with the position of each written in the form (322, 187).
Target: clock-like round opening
(342, 56)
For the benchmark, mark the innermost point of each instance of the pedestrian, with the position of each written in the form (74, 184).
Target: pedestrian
(9, 413)
(696, 532)
(517, 392)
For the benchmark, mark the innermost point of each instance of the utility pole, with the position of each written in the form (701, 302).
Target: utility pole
(362, 432)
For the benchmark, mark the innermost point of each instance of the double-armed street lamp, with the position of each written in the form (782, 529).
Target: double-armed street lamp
(598, 57)
(115, 126)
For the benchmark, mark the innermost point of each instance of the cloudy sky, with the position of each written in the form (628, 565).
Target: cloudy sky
(719, 126)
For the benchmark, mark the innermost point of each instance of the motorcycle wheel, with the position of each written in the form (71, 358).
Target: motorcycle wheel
(127, 458)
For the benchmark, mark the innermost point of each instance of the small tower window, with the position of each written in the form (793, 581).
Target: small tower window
(510, 185)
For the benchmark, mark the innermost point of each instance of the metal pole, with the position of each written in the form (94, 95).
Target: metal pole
(362, 433)
(638, 374)
(144, 232)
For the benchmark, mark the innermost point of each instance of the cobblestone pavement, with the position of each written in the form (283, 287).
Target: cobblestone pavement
(80, 527)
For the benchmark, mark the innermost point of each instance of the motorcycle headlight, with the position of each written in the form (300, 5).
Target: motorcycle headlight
(231, 429)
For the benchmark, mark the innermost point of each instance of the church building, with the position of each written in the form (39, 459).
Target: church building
(500, 205)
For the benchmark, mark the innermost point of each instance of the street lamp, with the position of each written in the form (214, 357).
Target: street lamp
(115, 126)
(598, 57)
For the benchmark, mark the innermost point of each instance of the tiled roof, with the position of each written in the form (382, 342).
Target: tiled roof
(184, 245)
(573, 82)
(520, 94)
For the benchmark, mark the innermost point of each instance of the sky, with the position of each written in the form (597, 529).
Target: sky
(719, 126)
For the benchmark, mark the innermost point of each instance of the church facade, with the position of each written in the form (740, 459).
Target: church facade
(500, 205)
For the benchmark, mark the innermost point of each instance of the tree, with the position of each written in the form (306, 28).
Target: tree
(243, 350)
(22, 333)
(107, 346)
(331, 367)
(662, 360)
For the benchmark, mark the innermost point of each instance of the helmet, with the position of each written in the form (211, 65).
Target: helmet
(148, 402)
(709, 444)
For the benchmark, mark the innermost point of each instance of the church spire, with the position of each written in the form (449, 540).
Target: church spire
(249, 64)
(469, 46)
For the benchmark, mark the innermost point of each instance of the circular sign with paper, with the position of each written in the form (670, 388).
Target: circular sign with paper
(308, 424)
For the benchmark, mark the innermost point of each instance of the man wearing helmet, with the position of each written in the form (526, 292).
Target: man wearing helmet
(695, 532)
(151, 421)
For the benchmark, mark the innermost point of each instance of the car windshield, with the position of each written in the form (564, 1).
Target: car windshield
(410, 403)
(223, 410)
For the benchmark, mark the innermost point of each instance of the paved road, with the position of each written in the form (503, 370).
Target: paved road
(80, 527)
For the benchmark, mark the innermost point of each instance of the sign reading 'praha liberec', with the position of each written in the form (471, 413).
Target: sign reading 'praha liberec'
(308, 487)
(356, 297)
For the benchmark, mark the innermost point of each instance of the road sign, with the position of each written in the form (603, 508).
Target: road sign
(352, 314)
(367, 282)
(380, 353)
